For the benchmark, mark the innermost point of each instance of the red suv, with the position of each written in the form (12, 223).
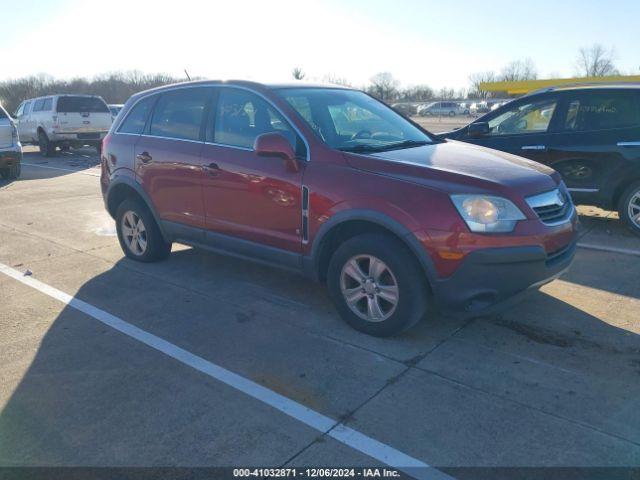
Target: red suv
(330, 182)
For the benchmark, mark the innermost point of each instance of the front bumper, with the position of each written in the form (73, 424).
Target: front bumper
(10, 157)
(491, 279)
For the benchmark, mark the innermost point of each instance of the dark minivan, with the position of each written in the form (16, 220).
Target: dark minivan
(590, 134)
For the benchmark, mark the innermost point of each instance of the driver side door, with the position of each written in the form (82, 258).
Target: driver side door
(521, 128)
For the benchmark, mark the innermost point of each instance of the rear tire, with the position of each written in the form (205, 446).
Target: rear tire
(452, 113)
(138, 233)
(47, 149)
(391, 292)
(629, 207)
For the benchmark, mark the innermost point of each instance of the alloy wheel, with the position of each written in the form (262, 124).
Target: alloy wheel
(369, 288)
(134, 233)
(633, 208)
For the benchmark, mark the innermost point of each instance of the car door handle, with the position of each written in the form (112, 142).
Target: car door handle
(629, 144)
(533, 147)
(212, 169)
(144, 157)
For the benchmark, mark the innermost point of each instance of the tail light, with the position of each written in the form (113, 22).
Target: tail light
(55, 121)
(14, 133)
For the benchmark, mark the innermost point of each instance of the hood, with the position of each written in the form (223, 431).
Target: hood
(457, 167)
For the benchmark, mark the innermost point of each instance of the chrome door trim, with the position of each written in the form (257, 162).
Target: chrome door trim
(584, 190)
(533, 147)
(628, 144)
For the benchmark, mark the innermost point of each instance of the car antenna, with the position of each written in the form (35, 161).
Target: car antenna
(187, 74)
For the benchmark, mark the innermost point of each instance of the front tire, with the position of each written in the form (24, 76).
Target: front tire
(138, 233)
(11, 173)
(47, 149)
(377, 285)
(629, 207)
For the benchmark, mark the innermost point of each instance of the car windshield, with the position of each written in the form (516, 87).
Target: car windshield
(69, 104)
(350, 120)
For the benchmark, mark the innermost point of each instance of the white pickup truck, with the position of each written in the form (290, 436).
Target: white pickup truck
(10, 148)
(63, 121)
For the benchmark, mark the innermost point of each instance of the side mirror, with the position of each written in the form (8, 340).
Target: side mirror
(478, 129)
(276, 145)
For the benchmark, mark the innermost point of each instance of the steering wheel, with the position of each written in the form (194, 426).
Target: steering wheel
(361, 134)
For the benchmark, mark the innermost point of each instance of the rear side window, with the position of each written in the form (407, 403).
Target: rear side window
(179, 114)
(46, 105)
(602, 111)
(137, 117)
(71, 104)
(242, 116)
(37, 105)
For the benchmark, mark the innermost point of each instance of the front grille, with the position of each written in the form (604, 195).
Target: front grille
(552, 207)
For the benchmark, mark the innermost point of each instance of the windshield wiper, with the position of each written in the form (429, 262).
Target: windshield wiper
(384, 148)
(363, 148)
(405, 144)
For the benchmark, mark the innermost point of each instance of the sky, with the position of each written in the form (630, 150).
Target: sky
(438, 43)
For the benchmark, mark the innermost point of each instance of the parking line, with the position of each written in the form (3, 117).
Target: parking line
(624, 251)
(63, 169)
(326, 425)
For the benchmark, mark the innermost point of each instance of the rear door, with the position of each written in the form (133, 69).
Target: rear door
(598, 144)
(167, 156)
(522, 127)
(86, 116)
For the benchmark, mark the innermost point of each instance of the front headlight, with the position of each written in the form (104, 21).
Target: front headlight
(486, 213)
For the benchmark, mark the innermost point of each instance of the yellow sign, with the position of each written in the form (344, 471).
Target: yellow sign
(526, 86)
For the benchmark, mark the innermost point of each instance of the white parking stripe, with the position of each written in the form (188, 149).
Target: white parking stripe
(83, 172)
(348, 436)
(624, 251)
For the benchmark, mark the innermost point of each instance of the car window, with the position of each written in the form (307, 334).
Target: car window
(526, 118)
(3, 114)
(179, 114)
(241, 116)
(137, 117)
(350, 120)
(601, 111)
(37, 105)
(46, 105)
(77, 104)
(20, 110)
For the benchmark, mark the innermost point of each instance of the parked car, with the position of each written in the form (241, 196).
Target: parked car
(406, 109)
(10, 148)
(115, 109)
(442, 108)
(334, 184)
(590, 134)
(478, 108)
(63, 121)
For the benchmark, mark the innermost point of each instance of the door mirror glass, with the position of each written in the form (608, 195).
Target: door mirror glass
(478, 129)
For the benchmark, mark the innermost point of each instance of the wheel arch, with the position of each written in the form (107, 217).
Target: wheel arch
(122, 188)
(347, 224)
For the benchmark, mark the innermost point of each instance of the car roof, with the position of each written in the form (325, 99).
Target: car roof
(588, 86)
(259, 86)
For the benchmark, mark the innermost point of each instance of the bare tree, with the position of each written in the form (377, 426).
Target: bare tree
(114, 87)
(596, 61)
(384, 86)
(446, 93)
(475, 79)
(519, 70)
(330, 78)
(297, 73)
(417, 93)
